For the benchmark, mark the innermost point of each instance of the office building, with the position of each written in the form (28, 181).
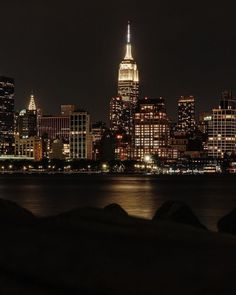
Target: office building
(54, 127)
(80, 137)
(30, 147)
(151, 129)
(222, 128)
(186, 114)
(7, 90)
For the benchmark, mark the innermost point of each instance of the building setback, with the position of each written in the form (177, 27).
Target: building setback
(7, 90)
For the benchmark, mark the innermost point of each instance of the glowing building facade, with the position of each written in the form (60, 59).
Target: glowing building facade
(222, 128)
(123, 106)
(30, 147)
(151, 129)
(186, 114)
(7, 101)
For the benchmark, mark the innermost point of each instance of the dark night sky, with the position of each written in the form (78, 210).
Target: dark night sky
(69, 51)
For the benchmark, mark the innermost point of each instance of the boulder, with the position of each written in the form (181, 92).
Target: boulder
(115, 210)
(179, 212)
(227, 223)
(12, 213)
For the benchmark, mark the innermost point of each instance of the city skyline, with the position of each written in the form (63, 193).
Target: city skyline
(181, 50)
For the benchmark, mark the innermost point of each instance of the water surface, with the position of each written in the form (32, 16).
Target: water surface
(210, 197)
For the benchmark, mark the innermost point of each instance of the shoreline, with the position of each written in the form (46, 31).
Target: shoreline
(80, 173)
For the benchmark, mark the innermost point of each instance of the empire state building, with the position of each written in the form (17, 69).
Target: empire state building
(123, 106)
(128, 78)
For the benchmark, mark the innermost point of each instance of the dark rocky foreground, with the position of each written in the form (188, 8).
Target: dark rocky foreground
(105, 251)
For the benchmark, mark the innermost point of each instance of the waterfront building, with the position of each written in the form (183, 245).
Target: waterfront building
(30, 147)
(151, 129)
(186, 114)
(7, 101)
(222, 128)
(80, 138)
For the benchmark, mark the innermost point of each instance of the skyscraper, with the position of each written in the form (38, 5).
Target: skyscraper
(7, 89)
(123, 106)
(27, 120)
(222, 128)
(186, 114)
(80, 139)
(151, 129)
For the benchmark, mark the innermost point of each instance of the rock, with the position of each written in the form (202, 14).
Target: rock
(227, 223)
(12, 213)
(177, 212)
(115, 210)
(88, 216)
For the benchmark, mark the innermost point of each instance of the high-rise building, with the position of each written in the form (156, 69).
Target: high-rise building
(151, 129)
(222, 128)
(122, 108)
(54, 127)
(27, 120)
(116, 107)
(186, 114)
(97, 132)
(7, 90)
(80, 138)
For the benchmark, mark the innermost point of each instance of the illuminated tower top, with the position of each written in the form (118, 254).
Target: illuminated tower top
(32, 105)
(128, 70)
(128, 55)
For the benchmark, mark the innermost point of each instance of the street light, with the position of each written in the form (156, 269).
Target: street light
(147, 158)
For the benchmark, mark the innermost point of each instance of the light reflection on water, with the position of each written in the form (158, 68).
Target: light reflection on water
(210, 197)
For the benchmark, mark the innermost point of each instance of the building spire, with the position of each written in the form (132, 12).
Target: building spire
(128, 33)
(32, 105)
(128, 55)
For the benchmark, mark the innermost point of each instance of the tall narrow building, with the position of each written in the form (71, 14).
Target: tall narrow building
(80, 139)
(7, 90)
(186, 114)
(152, 129)
(122, 108)
(27, 120)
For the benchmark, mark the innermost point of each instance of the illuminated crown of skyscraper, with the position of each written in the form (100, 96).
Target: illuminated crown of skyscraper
(128, 55)
(128, 70)
(32, 105)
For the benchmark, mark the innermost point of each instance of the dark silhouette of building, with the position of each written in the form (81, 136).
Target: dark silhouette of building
(7, 90)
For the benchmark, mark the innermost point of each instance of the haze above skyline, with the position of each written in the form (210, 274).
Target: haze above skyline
(69, 52)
